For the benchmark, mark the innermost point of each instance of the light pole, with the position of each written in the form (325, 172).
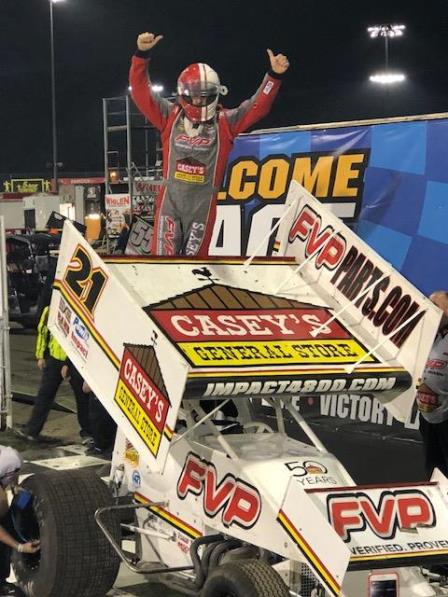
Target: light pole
(387, 32)
(54, 134)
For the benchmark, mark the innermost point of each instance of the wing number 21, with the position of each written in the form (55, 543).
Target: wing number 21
(84, 280)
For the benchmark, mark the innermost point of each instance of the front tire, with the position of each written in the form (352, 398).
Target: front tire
(244, 578)
(75, 558)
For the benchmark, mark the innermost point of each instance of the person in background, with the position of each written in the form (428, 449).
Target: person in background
(104, 428)
(55, 367)
(123, 237)
(197, 136)
(52, 361)
(432, 395)
(10, 465)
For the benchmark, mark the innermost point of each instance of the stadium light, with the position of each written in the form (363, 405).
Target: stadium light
(387, 32)
(387, 78)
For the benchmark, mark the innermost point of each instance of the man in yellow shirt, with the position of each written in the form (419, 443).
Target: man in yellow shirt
(52, 361)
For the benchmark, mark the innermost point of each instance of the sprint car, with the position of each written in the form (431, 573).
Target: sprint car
(220, 498)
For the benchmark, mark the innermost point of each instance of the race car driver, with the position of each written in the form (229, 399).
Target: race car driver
(197, 136)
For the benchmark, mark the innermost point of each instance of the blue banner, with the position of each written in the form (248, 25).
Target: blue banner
(388, 181)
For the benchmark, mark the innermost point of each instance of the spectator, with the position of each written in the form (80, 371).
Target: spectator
(432, 395)
(10, 465)
(103, 227)
(123, 237)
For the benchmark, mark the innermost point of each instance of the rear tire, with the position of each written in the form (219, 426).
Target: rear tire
(75, 558)
(245, 578)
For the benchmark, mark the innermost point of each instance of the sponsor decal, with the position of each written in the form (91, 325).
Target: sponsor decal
(136, 479)
(166, 516)
(80, 330)
(238, 502)
(142, 395)
(310, 472)
(233, 354)
(183, 542)
(307, 385)
(327, 247)
(169, 232)
(267, 88)
(436, 364)
(131, 454)
(79, 346)
(395, 550)
(190, 170)
(79, 337)
(198, 141)
(387, 307)
(194, 240)
(356, 407)
(64, 316)
(213, 325)
(427, 400)
(307, 467)
(258, 333)
(384, 515)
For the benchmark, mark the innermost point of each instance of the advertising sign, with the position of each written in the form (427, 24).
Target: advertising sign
(390, 314)
(387, 179)
(118, 208)
(27, 185)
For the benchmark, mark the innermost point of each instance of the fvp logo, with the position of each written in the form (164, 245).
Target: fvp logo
(327, 246)
(402, 510)
(239, 502)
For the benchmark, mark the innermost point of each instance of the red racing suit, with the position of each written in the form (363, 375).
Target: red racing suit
(194, 161)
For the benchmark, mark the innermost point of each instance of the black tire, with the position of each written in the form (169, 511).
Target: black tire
(246, 578)
(75, 558)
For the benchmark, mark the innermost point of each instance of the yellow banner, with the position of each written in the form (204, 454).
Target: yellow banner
(27, 185)
(137, 417)
(282, 352)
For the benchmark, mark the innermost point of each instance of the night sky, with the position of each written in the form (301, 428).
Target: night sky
(326, 41)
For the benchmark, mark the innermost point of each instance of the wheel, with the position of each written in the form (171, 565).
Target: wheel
(75, 558)
(245, 578)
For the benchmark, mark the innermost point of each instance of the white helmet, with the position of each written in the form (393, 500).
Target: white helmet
(198, 89)
(10, 464)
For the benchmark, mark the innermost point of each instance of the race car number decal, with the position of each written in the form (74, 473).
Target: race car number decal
(86, 282)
